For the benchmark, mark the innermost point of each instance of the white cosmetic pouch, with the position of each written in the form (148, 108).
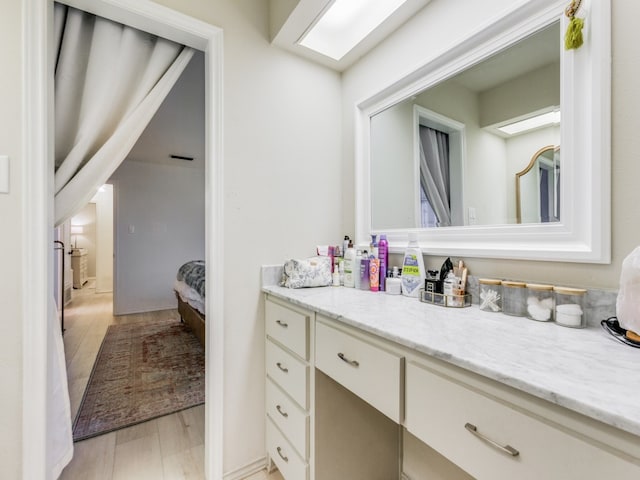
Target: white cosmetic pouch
(628, 301)
(308, 272)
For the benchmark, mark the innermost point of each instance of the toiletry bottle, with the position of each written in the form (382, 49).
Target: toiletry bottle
(349, 264)
(374, 247)
(332, 254)
(345, 244)
(413, 273)
(383, 255)
(341, 271)
(374, 273)
(394, 284)
(450, 288)
(364, 271)
(335, 276)
(356, 269)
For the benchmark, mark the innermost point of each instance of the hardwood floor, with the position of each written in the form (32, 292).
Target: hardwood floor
(169, 448)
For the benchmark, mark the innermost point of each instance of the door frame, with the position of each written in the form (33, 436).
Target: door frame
(37, 210)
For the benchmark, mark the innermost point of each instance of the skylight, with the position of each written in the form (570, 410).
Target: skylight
(532, 123)
(345, 24)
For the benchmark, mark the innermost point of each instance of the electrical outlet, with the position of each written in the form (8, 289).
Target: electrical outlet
(472, 216)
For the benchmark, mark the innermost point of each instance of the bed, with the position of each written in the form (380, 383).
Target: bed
(190, 292)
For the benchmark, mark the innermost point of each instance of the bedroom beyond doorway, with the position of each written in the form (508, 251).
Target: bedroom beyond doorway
(162, 447)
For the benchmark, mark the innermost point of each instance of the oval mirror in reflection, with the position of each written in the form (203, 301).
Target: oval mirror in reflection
(538, 188)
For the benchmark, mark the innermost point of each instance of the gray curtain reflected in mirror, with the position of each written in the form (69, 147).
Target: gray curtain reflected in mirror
(434, 178)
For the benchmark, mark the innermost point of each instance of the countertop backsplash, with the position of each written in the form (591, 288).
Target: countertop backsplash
(600, 304)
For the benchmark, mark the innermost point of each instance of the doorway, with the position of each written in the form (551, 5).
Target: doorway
(38, 212)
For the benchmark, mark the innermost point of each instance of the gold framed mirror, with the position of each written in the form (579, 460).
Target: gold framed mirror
(538, 187)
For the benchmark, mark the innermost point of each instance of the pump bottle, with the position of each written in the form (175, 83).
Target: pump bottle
(413, 273)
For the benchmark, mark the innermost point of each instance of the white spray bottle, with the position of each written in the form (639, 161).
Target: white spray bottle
(413, 272)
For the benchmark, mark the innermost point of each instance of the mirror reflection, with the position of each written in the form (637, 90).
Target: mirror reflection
(538, 188)
(448, 155)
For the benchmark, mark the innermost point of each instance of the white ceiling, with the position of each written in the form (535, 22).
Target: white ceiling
(177, 128)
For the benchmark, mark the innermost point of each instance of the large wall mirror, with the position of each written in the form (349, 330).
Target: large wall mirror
(439, 149)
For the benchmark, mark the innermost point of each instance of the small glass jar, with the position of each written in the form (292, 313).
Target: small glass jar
(570, 307)
(540, 302)
(514, 298)
(490, 294)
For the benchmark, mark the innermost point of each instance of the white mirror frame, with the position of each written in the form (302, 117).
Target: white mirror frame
(584, 232)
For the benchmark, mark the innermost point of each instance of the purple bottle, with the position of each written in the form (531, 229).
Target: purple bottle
(364, 271)
(383, 255)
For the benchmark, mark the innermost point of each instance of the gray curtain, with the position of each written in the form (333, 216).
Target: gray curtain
(110, 79)
(434, 173)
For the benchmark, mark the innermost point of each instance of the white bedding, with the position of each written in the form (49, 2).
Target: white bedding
(189, 295)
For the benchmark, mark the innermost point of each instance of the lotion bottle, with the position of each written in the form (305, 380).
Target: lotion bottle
(349, 266)
(413, 272)
(356, 269)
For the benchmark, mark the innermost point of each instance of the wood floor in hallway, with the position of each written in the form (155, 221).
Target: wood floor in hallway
(167, 448)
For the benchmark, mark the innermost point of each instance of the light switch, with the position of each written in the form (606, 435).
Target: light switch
(132, 229)
(4, 174)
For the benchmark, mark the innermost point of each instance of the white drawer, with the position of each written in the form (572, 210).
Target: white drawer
(289, 372)
(289, 417)
(438, 408)
(370, 372)
(290, 464)
(288, 327)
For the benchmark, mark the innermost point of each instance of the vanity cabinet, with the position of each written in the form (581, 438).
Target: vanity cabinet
(370, 371)
(493, 439)
(341, 402)
(287, 389)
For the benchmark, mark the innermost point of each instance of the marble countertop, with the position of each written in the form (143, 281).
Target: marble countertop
(584, 370)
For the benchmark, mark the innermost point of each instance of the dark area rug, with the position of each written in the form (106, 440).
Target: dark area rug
(142, 371)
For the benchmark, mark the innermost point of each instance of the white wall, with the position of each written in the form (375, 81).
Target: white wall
(282, 168)
(87, 240)
(104, 239)
(11, 252)
(392, 168)
(159, 225)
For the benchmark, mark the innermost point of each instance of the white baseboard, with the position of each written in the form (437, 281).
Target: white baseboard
(260, 464)
(249, 469)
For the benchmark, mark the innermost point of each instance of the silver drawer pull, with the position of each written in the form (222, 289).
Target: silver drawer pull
(284, 414)
(286, 459)
(505, 448)
(284, 369)
(345, 359)
(282, 324)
